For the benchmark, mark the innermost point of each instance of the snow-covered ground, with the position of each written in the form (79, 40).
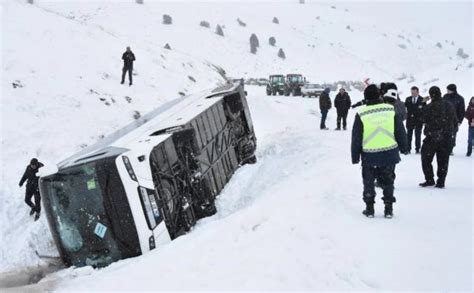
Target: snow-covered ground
(292, 221)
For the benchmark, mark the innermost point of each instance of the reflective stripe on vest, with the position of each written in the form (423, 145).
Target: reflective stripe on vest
(379, 128)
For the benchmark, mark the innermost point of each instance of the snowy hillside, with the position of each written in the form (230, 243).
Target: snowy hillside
(60, 76)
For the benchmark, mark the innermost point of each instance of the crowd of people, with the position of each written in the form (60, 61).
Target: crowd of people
(384, 127)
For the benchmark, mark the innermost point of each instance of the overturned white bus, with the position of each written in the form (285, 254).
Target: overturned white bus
(148, 183)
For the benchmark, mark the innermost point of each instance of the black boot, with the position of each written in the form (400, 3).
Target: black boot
(388, 212)
(37, 216)
(439, 184)
(32, 211)
(369, 210)
(427, 183)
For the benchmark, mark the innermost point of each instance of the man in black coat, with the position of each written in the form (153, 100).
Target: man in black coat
(440, 125)
(32, 188)
(342, 102)
(128, 57)
(414, 123)
(378, 136)
(457, 102)
(324, 105)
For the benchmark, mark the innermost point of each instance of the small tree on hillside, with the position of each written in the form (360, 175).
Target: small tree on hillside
(205, 24)
(241, 23)
(275, 20)
(281, 54)
(254, 43)
(272, 41)
(167, 19)
(219, 30)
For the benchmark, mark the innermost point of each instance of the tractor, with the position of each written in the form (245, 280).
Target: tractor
(293, 84)
(275, 84)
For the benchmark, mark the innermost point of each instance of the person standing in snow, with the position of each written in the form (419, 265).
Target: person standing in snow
(414, 105)
(390, 96)
(32, 188)
(457, 102)
(342, 102)
(378, 135)
(128, 57)
(470, 121)
(324, 105)
(441, 124)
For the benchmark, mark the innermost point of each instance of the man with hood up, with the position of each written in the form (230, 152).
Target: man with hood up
(440, 125)
(324, 105)
(378, 135)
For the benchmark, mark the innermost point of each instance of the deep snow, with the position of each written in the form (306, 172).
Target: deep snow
(291, 221)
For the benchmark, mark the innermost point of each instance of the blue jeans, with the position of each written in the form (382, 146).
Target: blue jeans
(470, 139)
(324, 115)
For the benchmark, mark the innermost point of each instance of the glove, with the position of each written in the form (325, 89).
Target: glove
(19, 184)
(355, 162)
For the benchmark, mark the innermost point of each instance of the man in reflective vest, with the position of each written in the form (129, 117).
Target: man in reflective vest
(378, 136)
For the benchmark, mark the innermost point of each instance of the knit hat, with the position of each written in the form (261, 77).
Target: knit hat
(435, 92)
(452, 87)
(391, 93)
(34, 161)
(371, 92)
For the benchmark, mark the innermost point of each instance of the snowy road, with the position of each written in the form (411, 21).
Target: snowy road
(293, 221)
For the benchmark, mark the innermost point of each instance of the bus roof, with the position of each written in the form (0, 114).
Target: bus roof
(172, 114)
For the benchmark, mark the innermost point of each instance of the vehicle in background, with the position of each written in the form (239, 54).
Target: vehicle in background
(312, 90)
(262, 82)
(276, 84)
(148, 183)
(293, 84)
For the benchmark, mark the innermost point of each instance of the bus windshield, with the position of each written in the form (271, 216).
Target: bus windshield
(78, 212)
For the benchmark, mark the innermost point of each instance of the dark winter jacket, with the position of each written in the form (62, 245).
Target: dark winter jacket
(325, 101)
(440, 121)
(358, 104)
(128, 58)
(457, 102)
(30, 177)
(470, 114)
(386, 158)
(414, 112)
(342, 102)
(400, 109)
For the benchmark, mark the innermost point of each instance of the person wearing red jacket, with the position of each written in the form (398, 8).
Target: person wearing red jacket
(469, 115)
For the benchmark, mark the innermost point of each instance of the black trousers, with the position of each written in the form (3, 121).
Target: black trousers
(342, 115)
(385, 177)
(442, 150)
(33, 192)
(417, 130)
(124, 72)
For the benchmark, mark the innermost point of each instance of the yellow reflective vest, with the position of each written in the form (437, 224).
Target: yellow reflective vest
(379, 128)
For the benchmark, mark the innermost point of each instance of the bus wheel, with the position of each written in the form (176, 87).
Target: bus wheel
(187, 217)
